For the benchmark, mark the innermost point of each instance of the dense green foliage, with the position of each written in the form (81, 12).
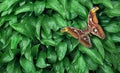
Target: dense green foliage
(31, 42)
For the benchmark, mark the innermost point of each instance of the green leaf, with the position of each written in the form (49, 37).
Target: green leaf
(4, 37)
(41, 60)
(55, 5)
(113, 27)
(110, 45)
(99, 46)
(18, 69)
(81, 64)
(25, 8)
(46, 28)
(24, 44)
(90, 63)
(106, 3)
(10, 67)
(38, 27)
(27, 53)
(27, 65)
(15, 39)
(11, 18)
(58, 67)
(39, 71)
(114, 12)
(92, 53)
(48, 42)
(72, 43)
(61, 49)
(75, 55)
(51, 55)
(7, 56)
(7, 12)
(107, 69)
(66, 8)
(66, 63)
(34, 50)
(86, 3)
(57, 37)
(52, 24)
(4, 5)
(39, 7)
(60, 21)
(45, 35)
(77, 9)
(116, 38)
(25, 27)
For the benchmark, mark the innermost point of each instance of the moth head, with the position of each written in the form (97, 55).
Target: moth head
(98, 32)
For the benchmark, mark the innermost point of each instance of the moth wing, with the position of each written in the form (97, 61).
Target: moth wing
(93, 25)
(84, 39)
(92, 14)
(98, 31)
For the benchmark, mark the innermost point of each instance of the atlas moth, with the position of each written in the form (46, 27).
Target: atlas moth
(92, 28)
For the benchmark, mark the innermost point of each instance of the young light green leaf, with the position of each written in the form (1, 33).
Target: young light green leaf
(61, 49)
